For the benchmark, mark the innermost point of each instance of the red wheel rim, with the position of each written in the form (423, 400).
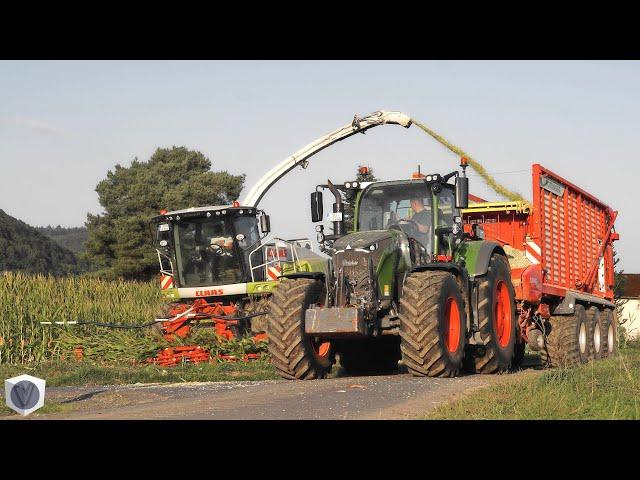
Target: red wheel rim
(321, 348)
(451, 324)
(502, 314)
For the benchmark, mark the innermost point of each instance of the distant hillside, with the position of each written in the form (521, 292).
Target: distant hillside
(72, 238)
(22, 247)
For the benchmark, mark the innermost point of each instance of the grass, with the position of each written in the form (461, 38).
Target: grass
(602, 390)
(70, 373)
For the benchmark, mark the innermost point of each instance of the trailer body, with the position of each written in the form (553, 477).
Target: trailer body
(559, 246)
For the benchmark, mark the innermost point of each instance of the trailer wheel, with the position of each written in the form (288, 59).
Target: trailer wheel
(432, 324)
(597, 331)
(497, 320)
(362, 357)
(295, 354)
(610, 332)
(568, 339)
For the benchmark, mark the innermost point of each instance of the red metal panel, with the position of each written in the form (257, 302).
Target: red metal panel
(572, 230)
(573, 227)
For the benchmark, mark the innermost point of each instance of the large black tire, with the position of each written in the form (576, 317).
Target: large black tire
(496, 320)
(365, 357)
(597, 334)
(294, 354)
(432, 335)
(610, 326)
(518, 355)
(564, 347)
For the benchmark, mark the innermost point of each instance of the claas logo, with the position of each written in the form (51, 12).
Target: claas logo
(210, 293)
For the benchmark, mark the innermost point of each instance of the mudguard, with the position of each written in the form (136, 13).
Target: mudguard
(476, 256)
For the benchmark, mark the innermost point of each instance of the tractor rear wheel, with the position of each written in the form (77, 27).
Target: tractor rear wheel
(610, 332)
(597, 332)
(295, 354)
(365, 357)
(518, 355)
(568, 339)
(497, 320)
(432, 324)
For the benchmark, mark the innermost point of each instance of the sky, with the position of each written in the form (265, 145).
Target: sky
(64, 124)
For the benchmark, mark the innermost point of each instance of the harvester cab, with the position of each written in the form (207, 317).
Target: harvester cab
(200, 248)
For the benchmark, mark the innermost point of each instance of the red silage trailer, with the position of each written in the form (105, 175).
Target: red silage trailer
(559, 248)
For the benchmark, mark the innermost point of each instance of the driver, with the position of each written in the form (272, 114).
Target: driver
(222, 246)
(421, 215)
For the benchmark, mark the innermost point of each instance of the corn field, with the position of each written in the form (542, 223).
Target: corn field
(27, 300)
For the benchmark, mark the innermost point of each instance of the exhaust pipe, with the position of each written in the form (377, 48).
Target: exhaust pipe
(338, 211)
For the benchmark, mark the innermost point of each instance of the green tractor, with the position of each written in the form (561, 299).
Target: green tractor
(408, 286)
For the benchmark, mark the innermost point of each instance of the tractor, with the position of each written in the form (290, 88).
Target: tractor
(407, 286)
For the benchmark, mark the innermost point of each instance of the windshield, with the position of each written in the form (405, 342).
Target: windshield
(205, 252)
(407, 206)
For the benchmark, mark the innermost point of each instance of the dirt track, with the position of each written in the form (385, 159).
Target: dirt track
(398, 396)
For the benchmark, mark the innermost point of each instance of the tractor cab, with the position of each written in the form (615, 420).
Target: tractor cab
(426, 208)
(207, 246)
(426, 217)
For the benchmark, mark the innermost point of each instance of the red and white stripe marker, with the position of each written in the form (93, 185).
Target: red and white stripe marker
(273, 272)
(166, 282)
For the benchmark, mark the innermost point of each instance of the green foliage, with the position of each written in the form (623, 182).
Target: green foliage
(24, 248)
(120, 243)
(72, 238)
(350, 196)
(27, 300)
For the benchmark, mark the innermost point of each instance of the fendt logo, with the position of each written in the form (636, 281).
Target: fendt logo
(24, 394)
(209, 293)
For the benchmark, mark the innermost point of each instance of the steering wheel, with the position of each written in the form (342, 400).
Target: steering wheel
(403, 223)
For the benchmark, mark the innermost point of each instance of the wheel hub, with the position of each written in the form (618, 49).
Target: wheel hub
(502, 314)
(582, 338)
(452, 324)
(596, 338)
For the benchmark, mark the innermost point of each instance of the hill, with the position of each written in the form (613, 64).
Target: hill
(72, 238)
(24, 248)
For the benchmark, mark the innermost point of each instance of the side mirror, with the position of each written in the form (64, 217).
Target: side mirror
(316, 207)
(462, 192)
(265, 223)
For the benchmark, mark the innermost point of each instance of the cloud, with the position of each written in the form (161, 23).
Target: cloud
(37, 126)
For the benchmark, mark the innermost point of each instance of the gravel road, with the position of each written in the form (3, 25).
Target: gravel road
(399, 396)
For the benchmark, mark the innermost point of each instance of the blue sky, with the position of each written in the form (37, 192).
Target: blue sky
(64, 124)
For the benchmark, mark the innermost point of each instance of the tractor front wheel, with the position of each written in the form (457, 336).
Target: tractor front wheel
(295, 354)
(432, 324)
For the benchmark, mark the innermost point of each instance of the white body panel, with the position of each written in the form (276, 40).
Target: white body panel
(213, 291)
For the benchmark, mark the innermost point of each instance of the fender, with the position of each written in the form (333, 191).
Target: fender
(476, 256)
